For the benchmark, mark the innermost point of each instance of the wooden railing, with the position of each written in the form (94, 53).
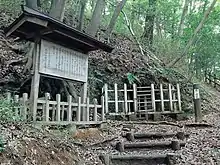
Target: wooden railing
(150, 99)
(212, 79)
(60, 111)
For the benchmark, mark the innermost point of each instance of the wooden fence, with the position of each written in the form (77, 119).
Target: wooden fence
(60, 111)
(212, 79)
(151, 99)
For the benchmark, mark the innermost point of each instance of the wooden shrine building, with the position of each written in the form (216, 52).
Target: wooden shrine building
(60, 50)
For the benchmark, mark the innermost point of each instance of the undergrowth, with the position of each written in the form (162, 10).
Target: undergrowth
(9, 110)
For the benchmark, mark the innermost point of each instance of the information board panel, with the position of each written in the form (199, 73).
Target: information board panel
(58, 61)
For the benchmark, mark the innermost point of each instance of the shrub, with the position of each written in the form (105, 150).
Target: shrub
(8, 110)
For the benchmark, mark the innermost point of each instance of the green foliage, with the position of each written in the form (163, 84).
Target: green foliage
(8, 110)
(132, 78)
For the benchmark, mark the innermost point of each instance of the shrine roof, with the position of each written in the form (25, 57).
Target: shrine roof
(32, 24)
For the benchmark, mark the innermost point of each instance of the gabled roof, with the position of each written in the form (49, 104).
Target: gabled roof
(32, 23)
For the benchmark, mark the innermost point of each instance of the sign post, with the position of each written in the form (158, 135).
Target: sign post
(197, 103)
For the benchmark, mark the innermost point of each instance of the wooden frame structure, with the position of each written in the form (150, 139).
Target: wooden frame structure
(212, 79)
(58, 111)
(149, 99)
(35, 26)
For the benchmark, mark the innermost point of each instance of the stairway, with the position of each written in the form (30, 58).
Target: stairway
(133, 150)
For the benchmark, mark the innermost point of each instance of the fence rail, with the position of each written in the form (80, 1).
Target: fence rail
(59, 111)
(212, 79)
(150, 99)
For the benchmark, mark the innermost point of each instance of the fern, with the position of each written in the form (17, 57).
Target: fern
(132, 78)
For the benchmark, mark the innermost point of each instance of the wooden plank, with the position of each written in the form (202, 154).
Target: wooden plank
(58, 98)
(8, 96)
(116, 98)
(87, 109)
(78, 112)
(69, 108)
(53, 112)
(16, 108)
(63, 111)
(125, 98)
(173, 100)
(35, 79)
(106, 98)
(153, 97)
(83, 99)
(103, 108)
(179, 97)
(16, 26)
(46, 113)
(170, 97)
(135, 97)
(162, 97)
(73, 104)
(69, 122)
(95, 114)
(24, 106)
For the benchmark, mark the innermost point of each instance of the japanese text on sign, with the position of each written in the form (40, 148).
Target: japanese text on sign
(58, 61)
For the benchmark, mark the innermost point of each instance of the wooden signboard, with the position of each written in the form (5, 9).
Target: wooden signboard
(59, 61)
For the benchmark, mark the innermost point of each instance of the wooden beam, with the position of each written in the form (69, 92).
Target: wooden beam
(35, 79)
(16, 26)
(37, 21)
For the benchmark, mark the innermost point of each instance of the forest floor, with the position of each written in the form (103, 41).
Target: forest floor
(27, 145)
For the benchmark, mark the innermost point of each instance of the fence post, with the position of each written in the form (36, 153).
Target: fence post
(153, 97)
(58, 98)
(16, 101)
(174, 98)
(135, 97)
(8, 96)
(209, 76)
(63, 111)
(179, 97)
(215, 78)
(126, 98)
(24, 106)
(161, 97)
(197, 103)
(106, 98)
(170, 97)
(47, 107)
(87, 109)
(69, 108)
(103, 108)
(95, 114)
(116, 98)
(78, 112)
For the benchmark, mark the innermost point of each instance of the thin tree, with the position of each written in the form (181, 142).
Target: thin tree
(81, 14)
(184, 13)
(33, 4)
(149, 22)
(96, 17)
(193, 38)
(112, 23)
(57, 9)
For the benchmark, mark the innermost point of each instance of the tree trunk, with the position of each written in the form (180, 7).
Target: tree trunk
(32, 4)
(57, 9)
(184, 13)
(81, 15)
(96, 18)
(75, 13)
(149, 22)
(193, 38)
(117, 11)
